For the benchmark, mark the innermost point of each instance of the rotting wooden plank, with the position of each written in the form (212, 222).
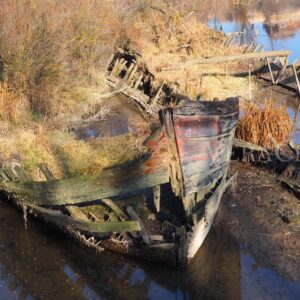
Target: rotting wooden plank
(14, 171)
(156, 237)
(137, 83)
(131, 76)
(133, 215)
(129, 91)
(128, 73)
(270, 70)
(242, 144)
(156, 197)
(114, 207)
(60, 219)
(222, 59)
(109, 183)
(77, 213)
(296, 77)
(281, 71)
(155, 99)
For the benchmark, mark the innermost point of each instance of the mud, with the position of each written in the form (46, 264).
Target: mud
(265, 217)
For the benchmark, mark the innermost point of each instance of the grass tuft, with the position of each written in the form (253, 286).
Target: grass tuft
(268, 125)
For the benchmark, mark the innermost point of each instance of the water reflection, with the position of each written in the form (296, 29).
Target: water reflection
(276, 24)
(39, 263)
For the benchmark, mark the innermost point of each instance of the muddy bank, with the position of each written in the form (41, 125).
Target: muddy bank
(265, 217)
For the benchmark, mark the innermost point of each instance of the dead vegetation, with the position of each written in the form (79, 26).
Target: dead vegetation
(266, 125)
(53, 79)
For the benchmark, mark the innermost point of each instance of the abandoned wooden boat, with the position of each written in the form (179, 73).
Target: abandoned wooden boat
(160, 208)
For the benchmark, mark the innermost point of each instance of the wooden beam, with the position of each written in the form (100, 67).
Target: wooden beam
(114, 207)
(270, 70)
(109, 183)
(228, 58)
(77, 213)
(156, 197)
(133, 215)
(56, 217)
(155, 99)
(296, 77)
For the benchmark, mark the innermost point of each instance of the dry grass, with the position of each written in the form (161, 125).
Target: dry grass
(12, 105)
(89, 157)
(55, 54)
(266, 126)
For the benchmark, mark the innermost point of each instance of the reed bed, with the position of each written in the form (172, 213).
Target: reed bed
(267, 125)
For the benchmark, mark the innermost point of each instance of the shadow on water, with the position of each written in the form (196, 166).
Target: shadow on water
(40, 263)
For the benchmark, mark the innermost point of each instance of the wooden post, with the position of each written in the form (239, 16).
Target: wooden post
(250, 84)
(226, 74)
(156, 197)
(154, 101)
(281, 71)
(296, 76)
(133, 215)
(228, 58)
(270, 70)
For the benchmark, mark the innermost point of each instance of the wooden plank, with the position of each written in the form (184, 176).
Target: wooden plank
(270, 70)
(133, 215)
(155, 99)
(77, 213)
(156, 197)
(114, 207)
(281, 71)
(296, 77)
(229, 58)
(109, 183)
(242, 144)
(128, 73)
(137, 83)
(62, 220)
(131, 76)
(129, 91)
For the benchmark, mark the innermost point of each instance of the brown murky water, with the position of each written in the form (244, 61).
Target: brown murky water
(40, 263)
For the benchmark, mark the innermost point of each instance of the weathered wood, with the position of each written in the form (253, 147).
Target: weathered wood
(281, 71)
(109, 183)
(203, 142)
(156, 237)
(229, 58)
(270, 70)
(242, 144)
(77, 213)
(115, 208)
(156, 197)
(60, 219)
(296, 77)
(126, 77)
(175, 170)
(137, 83)
(130, 79)
(13, 170)
(133, 215)
(155, 99)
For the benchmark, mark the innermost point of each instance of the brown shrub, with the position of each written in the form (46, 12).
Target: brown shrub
(11, 104)
(267, 125)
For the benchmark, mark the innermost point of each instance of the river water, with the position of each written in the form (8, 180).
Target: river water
(37, 262)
